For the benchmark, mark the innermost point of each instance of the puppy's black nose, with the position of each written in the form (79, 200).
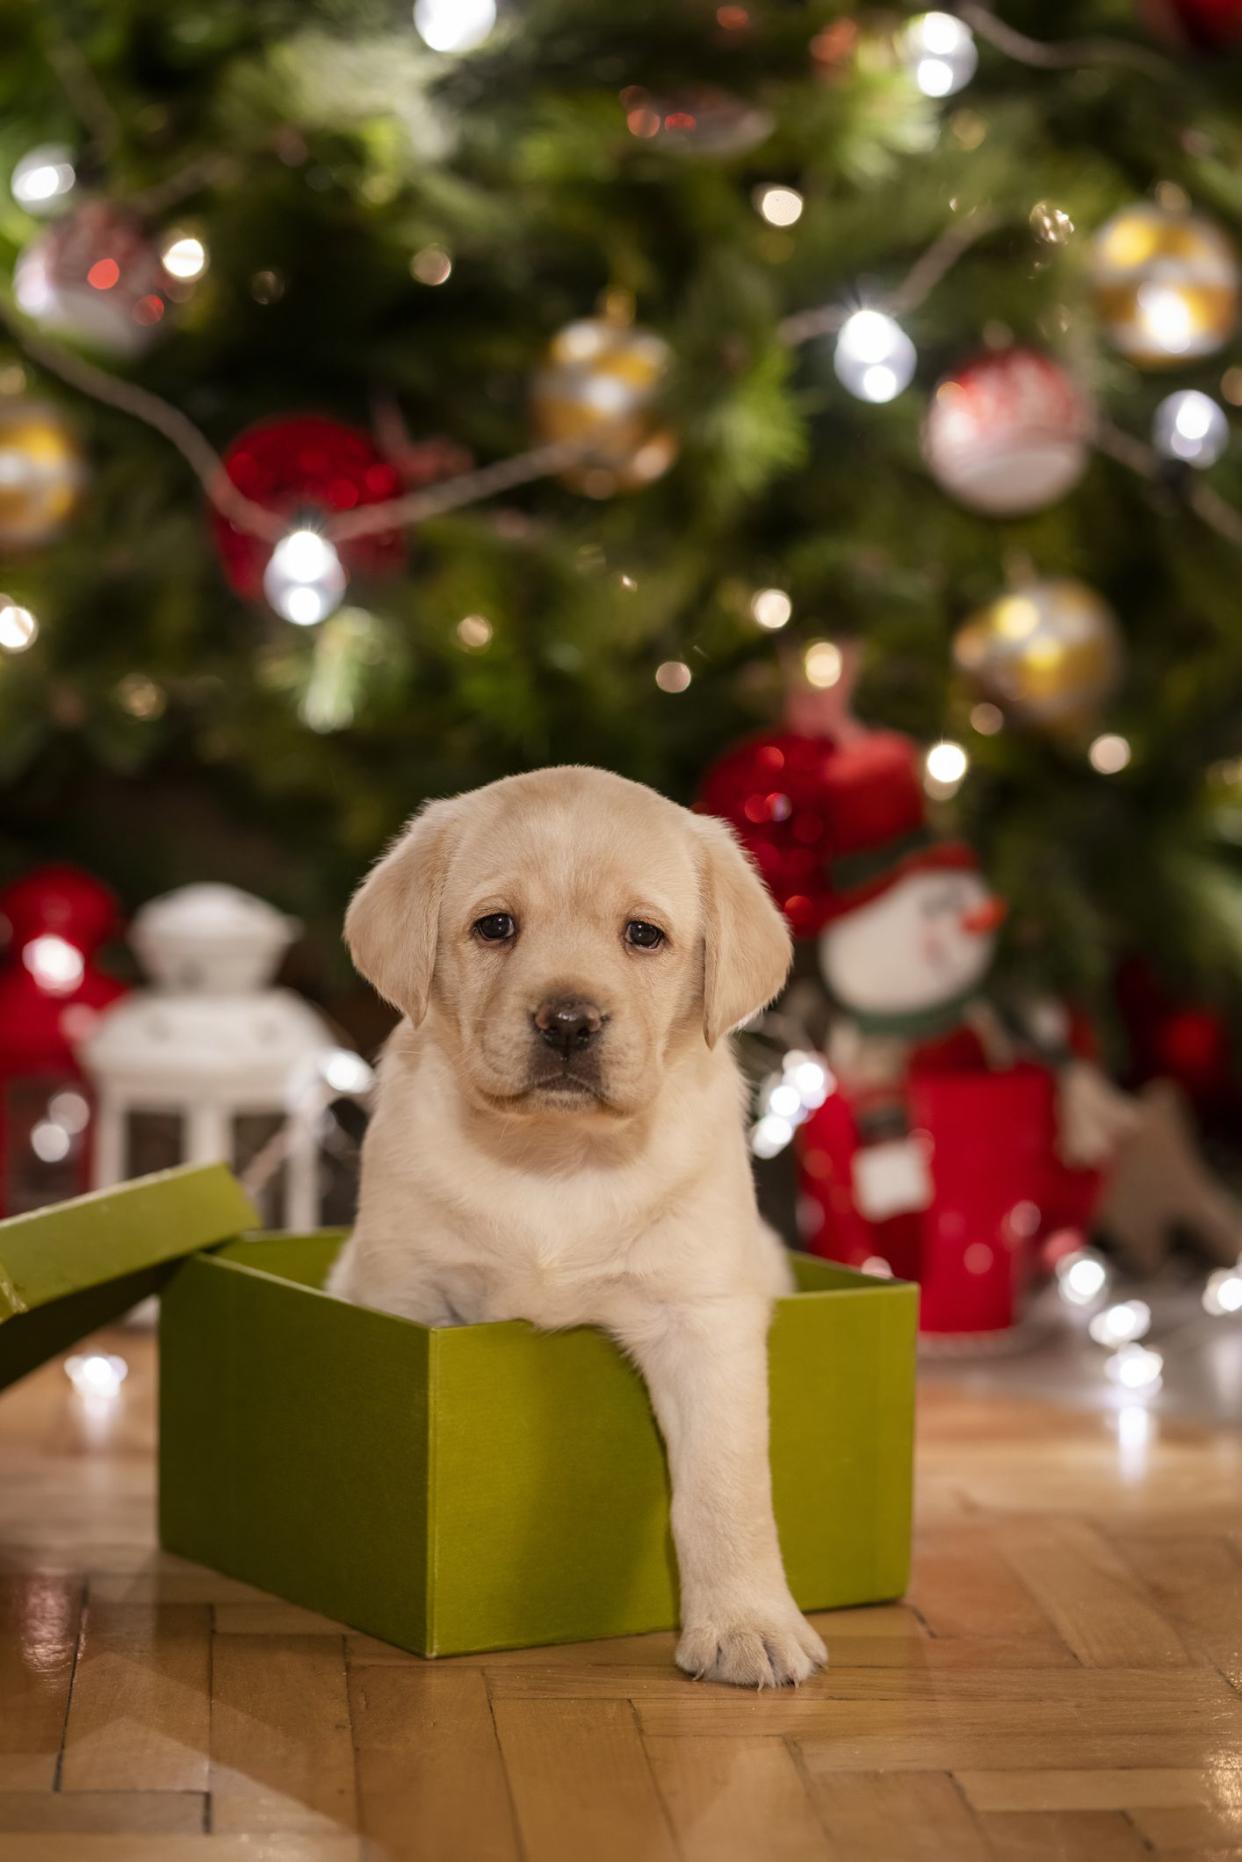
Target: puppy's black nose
(568, 1025)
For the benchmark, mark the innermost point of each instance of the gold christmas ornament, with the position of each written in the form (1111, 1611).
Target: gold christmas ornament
(1049, 652)
(1166, 284)
(41, 472)
(599, 384)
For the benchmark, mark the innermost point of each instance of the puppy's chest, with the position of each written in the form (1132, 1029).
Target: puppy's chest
(564, 1259)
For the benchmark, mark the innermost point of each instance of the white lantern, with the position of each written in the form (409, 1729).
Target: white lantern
(212, 1064)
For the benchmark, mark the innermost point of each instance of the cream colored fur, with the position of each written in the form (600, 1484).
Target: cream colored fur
(626, 1204)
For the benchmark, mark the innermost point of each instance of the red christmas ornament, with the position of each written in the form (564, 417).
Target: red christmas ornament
(1007, 433)
(51, 990)
(828, 823)
(771, 789)
(95, 276)
(307, 466)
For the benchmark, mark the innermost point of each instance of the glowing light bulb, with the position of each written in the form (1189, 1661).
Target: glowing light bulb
(874, 358)
(96, 1374)
(70, 1110)
(779, 206)
(1109, 754)
(771, 608)
(431, 265)
(770, 1135)
(1081, 1277)
(1122, 1324)
(1135, 1367)
(41, 180)
(1165, 320)
(50, 1143)
(304, 580)
(986, 718)
(1192, 427)
(56, 965)
(184, 256)
(940, 54)
(673, 675)
(454, 25)
(1223, 1292)
(822, 664)
(785, 1100)
(18, 627)
(812, 1078)
(474, 632)
(946, 763)
(346, 1072)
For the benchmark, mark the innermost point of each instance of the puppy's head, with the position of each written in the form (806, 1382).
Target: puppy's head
(565, 934)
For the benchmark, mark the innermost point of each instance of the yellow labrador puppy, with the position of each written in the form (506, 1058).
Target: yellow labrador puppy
(558, 1136)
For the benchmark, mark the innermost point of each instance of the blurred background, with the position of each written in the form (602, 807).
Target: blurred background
(829, 414)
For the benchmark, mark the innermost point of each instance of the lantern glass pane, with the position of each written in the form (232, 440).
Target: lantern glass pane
(257, 1143)
(44, 1142)
(154, 1141)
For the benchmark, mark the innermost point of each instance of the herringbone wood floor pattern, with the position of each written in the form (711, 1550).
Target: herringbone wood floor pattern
(1064, 1680)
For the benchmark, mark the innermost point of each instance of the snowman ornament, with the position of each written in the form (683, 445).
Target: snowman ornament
(905, 949)
(904, 970)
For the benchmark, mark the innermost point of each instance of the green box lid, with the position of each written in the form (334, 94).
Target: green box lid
(68, 1269)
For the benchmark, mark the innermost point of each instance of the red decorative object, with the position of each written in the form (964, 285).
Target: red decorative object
(772, 790)
(307, 466)
(51, 990)
(1007, 433)
(996, 1192)
(827, 823)
(95, 276)
(1211, 25)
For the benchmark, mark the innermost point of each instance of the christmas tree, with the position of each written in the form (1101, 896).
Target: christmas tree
(704, 339)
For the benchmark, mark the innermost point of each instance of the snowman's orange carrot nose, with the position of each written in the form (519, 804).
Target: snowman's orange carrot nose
(986, 917)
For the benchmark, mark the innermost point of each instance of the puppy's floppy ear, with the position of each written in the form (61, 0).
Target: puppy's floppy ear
(746, 944)
(393, 919)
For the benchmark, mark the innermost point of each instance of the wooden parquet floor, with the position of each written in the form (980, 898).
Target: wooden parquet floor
(1064, 1680)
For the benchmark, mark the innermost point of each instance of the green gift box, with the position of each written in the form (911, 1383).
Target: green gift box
(473, 1487)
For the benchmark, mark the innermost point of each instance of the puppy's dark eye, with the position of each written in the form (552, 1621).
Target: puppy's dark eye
(642, 935)
(495, 928)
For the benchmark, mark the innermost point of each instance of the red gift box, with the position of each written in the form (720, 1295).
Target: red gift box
(997, 1188)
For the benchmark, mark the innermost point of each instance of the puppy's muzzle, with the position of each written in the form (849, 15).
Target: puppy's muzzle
(568, 1025)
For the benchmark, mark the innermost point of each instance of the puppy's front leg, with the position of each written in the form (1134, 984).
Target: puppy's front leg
(706, 1369)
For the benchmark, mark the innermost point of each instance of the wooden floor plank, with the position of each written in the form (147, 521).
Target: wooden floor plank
(139, 1713)
(281, 1752)
(431, 1784)
(1095, 1603)
(735, 1800)
(182, 1813)
(1062, 1836)
(39, 1620)
(1090, 1718)
(1192, 1826)
(580, 1782)
(915, 1817)
(1128, 1788)
(1196, 1581)
(961, 1586)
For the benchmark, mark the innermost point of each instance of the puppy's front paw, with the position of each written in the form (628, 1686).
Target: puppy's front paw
(763, 1647)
